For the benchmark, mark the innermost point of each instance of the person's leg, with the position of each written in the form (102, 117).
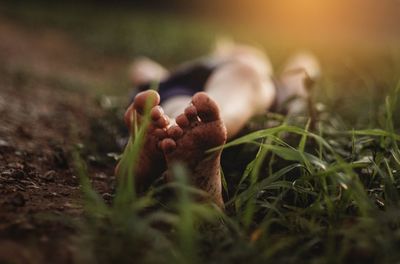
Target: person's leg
(233, 94)
(240, 93)
(238, 90)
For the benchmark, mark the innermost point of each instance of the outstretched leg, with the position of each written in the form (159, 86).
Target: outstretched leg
(151, 161)
(198, 129)
(240, 92)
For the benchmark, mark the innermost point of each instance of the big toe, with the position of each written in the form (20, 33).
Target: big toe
(139, 105)
(207, 109)
(149, 98)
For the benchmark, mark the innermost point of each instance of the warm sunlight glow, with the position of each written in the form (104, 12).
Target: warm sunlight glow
(322, 20)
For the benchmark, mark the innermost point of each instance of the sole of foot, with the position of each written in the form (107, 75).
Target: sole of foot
(198, 129)
(151, 162)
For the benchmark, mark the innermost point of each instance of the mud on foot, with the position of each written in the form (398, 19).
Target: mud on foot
(151, 160)
(198, 129)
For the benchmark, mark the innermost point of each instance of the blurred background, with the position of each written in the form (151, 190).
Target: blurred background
(357, 41)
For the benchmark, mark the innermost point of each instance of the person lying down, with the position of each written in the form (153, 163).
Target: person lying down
(206, 102)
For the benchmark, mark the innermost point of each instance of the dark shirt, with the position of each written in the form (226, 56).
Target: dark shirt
(187, 80)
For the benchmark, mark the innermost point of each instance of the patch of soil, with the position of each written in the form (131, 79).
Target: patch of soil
(40, 125)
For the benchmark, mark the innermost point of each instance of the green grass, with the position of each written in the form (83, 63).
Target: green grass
(118, 31)
(324, 196)
(322, 193)
(132, 224)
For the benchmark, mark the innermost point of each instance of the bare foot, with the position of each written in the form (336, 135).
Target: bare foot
(198, 129)
(151, 161)
(293, 94)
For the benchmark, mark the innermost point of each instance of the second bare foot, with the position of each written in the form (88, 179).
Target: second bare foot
(198, 129)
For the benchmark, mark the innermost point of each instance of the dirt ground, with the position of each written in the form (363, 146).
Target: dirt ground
(41, 122)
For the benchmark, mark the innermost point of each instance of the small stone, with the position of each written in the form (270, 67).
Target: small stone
(107, 196)
(65, 193)
(6, 173)
(16, 165)
(48, 176)
(101, 176)
(19, 187)
(69, 205)
(4, 144)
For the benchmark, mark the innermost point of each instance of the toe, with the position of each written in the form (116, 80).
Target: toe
(182, 121)
(129, 116)
(175, 132)
(168, 145)
(191, 113)
(162, 122)
(158, 118)
(206, 108)
(147, 97)
(160, 133)
(156, 113)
